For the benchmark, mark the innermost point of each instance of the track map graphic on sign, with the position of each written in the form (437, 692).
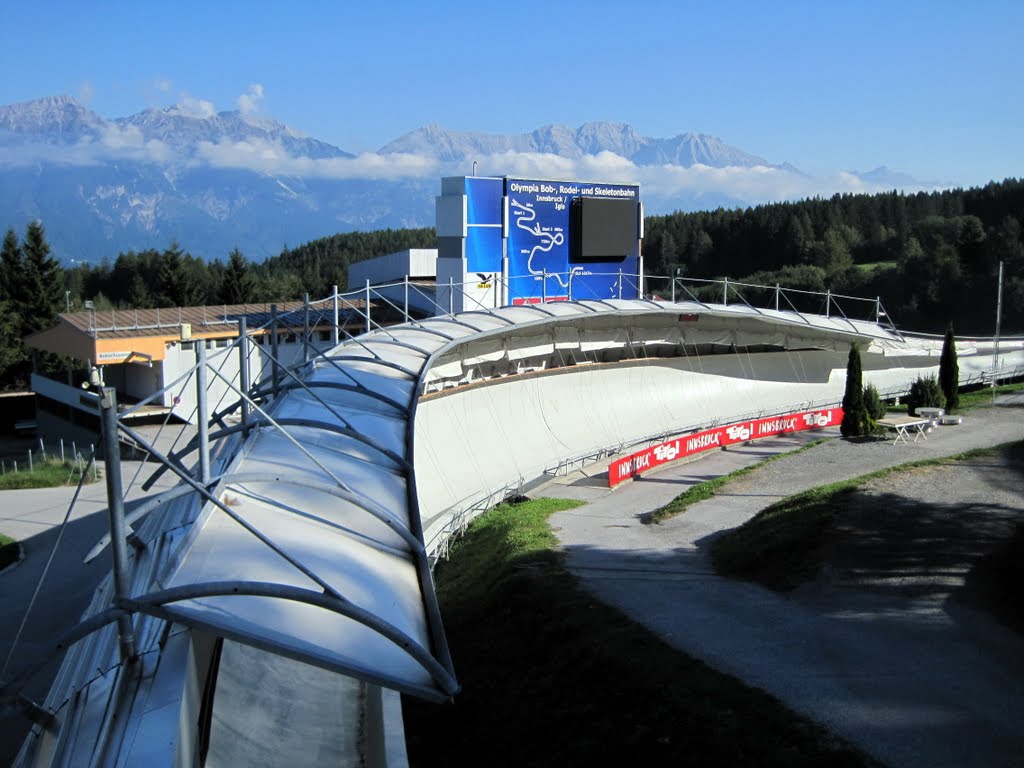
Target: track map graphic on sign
(538, 242)
(549, 238)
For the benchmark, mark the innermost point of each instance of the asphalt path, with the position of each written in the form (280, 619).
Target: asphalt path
(914, 681)
(34, 517)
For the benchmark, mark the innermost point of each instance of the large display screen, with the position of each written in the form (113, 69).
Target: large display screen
(540, 262)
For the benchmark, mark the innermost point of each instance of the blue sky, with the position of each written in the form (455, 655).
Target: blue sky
(933, 89)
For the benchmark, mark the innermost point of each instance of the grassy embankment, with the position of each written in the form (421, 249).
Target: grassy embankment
(783, 546)
(44, 474)
(552, 676)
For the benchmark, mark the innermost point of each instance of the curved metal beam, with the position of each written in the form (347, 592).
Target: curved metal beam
(152, 602)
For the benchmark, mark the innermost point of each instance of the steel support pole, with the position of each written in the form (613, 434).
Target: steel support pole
(999, 322)
(115, 512)
(725, 292)
(335, 332)
(243, 371)
(305, 328)
(202, 412)
(776, 297)
(275, 373)
(451, 295)
(367, 307)
(405, 305)
(544, 286)
(828, 301)
(620, 284)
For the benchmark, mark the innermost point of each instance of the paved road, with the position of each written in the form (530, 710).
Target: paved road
(913, 681)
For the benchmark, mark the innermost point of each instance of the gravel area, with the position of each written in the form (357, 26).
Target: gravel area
(882, 655)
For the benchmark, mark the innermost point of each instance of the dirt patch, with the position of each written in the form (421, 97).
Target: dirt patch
(936, 533)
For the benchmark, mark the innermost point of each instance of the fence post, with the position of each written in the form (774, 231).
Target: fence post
(202, 411)
(62, 450)
(368, 326)
(92, 452)
(243, 372)
(305, 328)
(275, 373)
(115, 511)
(335, 334)
(31, 469)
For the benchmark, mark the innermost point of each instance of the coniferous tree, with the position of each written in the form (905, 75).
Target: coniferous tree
(43, 294)
(178, 288)
(12, 270)
(237, 285)
(949, 371)
(854, 421)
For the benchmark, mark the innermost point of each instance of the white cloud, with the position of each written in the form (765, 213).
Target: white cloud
(86, 93)
(249, 102)
(271, 158)
(162, 84)
(192, 107)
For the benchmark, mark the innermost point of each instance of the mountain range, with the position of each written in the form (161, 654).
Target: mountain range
(213, 181)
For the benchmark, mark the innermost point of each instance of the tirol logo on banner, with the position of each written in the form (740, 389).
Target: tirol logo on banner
(627, 467)
(538, 243)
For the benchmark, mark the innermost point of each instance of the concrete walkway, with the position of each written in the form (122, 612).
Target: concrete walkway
(33, 517)
(914, 682)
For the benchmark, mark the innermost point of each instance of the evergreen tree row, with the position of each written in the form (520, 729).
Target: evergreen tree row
(931, 257)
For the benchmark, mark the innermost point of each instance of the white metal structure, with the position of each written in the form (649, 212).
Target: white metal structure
(306, 537)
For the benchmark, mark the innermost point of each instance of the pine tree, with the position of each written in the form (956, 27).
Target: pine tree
(237, 285)
(43, 288)
(949, 371)
(854, 421)
(177, 286)
(12, 268)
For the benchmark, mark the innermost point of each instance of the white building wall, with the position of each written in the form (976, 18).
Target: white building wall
(182, 397)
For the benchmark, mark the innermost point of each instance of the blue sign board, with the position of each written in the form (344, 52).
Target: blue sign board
(538, 244)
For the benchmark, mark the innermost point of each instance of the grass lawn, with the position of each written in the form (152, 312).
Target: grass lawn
(783, 545)
(552, 676)
(45, 474)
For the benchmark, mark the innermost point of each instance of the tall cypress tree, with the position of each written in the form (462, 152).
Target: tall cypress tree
(949, 371)
(854, 413)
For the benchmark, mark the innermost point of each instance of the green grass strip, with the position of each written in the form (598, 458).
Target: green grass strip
(552, 676)
(44, 474)
(708, 488)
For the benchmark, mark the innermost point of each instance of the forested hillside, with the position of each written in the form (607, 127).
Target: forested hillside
(931, 257)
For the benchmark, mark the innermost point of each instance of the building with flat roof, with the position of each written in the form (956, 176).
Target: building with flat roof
(143, 353)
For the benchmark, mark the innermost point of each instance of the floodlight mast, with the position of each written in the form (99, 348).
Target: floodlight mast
(999, 318)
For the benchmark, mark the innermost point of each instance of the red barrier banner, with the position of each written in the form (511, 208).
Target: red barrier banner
(637, 463)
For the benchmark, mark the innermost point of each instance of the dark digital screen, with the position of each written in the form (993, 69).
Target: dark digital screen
(602, 229)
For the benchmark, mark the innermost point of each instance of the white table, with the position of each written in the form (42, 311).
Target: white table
(903, 425)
